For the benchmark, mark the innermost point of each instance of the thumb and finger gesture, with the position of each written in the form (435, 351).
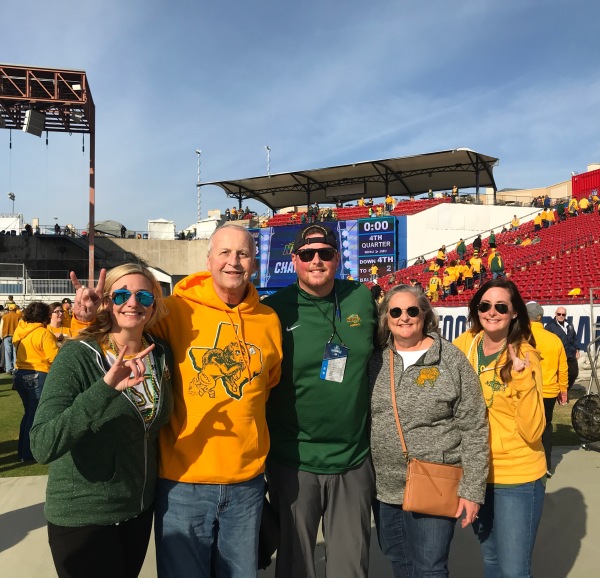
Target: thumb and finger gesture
(87, 299)
(518, 363)
(125, 373)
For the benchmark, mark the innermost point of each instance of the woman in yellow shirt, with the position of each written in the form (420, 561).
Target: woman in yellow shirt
(501, 348)
(36, 349)
(56, 318)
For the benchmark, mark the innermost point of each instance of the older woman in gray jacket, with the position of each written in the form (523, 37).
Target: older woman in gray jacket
(442, 413)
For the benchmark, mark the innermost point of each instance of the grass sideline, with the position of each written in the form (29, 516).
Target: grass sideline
(11, 412)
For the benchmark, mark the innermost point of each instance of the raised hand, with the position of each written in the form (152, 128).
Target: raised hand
(125, 373)
(518, 363)
(87, 299)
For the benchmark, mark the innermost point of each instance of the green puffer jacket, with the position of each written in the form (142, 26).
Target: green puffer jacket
(103, 458)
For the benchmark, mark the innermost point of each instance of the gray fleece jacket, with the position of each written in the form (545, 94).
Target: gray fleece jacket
(443, 418)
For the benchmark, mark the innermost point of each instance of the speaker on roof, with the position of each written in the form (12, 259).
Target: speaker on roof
(34, 122)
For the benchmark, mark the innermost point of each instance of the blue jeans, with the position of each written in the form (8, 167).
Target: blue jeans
(9, 353)
(507, 527)
(28, 384)
(195, 523)
(417, 545)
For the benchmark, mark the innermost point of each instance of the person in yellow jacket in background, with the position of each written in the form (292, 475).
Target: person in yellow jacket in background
(555, 373)
(434, 287)
(475, 262)
(500, 346)
(36, 349)
(227, 352)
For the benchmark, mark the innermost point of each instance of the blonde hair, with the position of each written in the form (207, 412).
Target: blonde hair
(102, 326)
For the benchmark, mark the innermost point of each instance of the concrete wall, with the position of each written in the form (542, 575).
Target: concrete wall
(174, 257)
(59, 255)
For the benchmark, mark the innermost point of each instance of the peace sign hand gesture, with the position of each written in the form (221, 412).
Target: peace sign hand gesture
(87, 299)
(518, 363)
(125, 373)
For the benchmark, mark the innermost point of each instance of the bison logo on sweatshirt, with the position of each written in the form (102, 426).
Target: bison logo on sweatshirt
(231, 364)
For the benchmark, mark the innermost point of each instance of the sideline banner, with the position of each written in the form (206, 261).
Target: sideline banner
(453, 321)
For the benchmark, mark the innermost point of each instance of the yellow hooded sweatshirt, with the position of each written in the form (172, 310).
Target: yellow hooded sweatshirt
(36, 346)
(226, 359)
(555, 371)
(516, 415)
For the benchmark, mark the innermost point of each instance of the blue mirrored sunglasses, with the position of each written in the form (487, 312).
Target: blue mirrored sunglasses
(144, 298)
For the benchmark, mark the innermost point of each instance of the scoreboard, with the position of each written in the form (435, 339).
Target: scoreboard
(362, 244)
(376, 246)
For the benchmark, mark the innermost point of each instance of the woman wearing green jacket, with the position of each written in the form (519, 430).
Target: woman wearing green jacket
(104, 401)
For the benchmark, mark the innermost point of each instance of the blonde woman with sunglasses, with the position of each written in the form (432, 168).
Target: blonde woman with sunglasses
(106, 397)
(442, 415)
(501, 348)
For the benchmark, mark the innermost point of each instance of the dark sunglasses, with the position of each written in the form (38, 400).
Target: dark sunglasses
(144, 298)
(485, 306)
(561, 314)
(308, 255)
(413, 311)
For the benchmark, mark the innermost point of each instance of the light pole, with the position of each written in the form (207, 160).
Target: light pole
(199, 154)
(11, 196)
(268, 149)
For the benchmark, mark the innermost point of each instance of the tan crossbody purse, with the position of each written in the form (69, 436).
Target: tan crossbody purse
(431, 488)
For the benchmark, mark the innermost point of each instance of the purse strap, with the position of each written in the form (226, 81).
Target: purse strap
(395, 406)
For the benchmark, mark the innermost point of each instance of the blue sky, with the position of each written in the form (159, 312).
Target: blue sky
(322, 83)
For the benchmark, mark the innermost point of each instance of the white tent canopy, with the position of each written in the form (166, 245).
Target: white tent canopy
(161, 229)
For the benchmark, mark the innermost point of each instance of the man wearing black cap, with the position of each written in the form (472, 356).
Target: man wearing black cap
(319, 466)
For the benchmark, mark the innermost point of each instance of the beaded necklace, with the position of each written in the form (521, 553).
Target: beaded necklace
(144, 395)
(482, 362)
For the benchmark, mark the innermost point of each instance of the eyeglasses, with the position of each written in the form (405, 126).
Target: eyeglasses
(308, 255)
(59, 312)
(561, 314)
(413, 311)
(485, 306)
(144, 298)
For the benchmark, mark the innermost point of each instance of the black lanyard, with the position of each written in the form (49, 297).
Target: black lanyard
(337, 314)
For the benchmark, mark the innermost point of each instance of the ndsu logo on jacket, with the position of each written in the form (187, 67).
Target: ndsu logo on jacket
(226, 362)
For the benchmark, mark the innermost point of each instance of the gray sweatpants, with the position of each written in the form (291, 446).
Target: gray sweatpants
(343, 501)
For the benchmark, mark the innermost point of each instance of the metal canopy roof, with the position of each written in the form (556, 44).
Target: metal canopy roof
(400, 177)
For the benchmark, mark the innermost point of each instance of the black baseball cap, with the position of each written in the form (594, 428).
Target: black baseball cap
(325, 235)
(66, 300)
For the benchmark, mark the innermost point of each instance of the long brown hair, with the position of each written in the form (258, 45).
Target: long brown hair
(519, 329)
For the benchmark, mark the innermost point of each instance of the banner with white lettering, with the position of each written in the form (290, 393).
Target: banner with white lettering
(453, 321)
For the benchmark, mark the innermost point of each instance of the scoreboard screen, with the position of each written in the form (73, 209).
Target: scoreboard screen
(376, 246)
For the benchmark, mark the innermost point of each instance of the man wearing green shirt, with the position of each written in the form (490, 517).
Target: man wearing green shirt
(319, 465)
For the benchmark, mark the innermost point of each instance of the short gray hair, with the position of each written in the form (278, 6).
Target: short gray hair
(237, 228)
(430, 322)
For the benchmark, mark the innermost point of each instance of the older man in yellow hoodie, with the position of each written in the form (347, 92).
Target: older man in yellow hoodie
(554, 373)
(227, 356)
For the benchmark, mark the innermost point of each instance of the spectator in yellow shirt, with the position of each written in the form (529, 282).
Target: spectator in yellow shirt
(434, 285)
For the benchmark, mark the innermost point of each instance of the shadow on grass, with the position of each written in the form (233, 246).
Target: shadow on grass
(564, 435)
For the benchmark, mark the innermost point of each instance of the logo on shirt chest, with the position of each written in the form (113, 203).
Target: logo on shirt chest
(230, 363)
(354, 320)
